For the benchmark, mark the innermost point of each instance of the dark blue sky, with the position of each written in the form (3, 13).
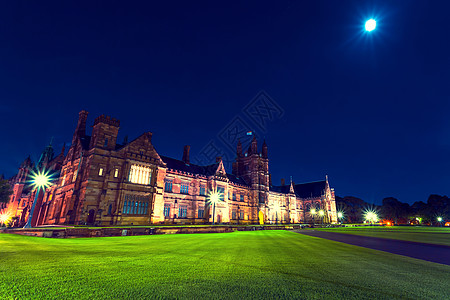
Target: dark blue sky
(369, 110)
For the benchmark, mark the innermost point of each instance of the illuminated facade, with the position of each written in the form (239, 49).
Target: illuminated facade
(102, 182)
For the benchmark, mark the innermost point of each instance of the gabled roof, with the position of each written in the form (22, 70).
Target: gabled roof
(237, 180)
(179, 165)
(304, 190)
(310, 189)
(280, 189)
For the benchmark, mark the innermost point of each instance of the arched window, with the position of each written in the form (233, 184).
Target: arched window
(132, 208)
(125, 207)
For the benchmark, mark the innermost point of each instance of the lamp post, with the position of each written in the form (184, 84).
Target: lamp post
(340, 216)
(371, 216)
(312, 212)
(439, 219)
(321, 214)
(39, 180)
(214, 197)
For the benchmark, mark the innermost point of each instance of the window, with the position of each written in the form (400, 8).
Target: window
(242, 198)
(221, 191)
(233, 215)
(234, 197)
(116, 173)
(135, 205)
(106, 143)
(100, 172)
(168, 186)
(140, 174)
(202, 191)
(184, 189)
(241, 215)
(167, 210)
(182, 211)
(201, 212)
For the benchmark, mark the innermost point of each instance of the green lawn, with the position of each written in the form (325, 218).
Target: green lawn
(422, 234)
(260, 264)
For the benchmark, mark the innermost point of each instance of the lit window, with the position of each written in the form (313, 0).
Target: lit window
(124, 211)
(167, 210)
(140, 174)
(184, 189)
(168, 186)
(202, 190)
(100, 172)
(221, 192)
(182, 211)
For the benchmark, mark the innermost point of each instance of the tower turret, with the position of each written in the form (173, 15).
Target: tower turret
(80, 131)
(264, 152)
(104, 133)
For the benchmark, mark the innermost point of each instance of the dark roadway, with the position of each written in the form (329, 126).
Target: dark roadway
(434, 253)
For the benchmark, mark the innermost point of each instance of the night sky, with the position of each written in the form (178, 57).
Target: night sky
(371, 110)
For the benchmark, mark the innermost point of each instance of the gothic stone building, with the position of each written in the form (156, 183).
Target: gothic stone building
(102, 182)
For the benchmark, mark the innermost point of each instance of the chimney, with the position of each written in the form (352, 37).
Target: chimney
(186, 154)
(283, 182)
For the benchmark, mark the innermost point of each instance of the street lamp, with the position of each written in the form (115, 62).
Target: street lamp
(214, 197)
(371, 216)
(321, 214)
(439, 219)
(340, 216)
(5, 218)
(39, 180)
(312, 212)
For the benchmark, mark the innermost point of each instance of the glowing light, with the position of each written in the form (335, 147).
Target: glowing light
(370, 25)
(371, 216)
(439, 219)
(41, 179)
(312, 211)
(340, 214)
(321, 213)
(214, 197)
(5, 218)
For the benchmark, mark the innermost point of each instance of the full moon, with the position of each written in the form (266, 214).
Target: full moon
(371, 24)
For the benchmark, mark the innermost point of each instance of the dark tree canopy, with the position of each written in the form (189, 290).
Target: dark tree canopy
(5, 190)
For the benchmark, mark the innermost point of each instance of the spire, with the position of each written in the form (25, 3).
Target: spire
(291, 187)
(46, 156)
(26, 163)
(239, 149)
(264, 150)
(80, 131)
(63, 149)
(254, 145)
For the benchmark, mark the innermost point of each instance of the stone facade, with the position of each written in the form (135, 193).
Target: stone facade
(102, 182)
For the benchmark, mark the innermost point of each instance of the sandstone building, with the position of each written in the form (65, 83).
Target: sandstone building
(102, 182)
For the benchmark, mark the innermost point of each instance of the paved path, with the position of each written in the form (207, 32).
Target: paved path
(434, 253)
